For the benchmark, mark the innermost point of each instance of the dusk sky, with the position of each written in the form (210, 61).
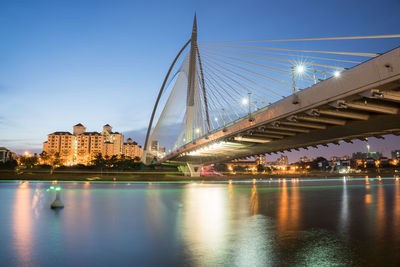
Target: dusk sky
(98, 62)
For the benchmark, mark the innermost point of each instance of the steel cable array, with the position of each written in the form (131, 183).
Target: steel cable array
(234, 79)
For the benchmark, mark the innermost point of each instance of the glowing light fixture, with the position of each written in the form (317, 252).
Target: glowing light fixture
(245, 101)
(336, 74)
(300, 69)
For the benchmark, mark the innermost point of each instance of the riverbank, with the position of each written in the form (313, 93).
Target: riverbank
(93, 175)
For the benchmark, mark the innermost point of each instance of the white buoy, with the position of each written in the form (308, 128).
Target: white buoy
(57, 203)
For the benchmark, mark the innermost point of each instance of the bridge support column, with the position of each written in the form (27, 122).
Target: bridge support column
(190, 169)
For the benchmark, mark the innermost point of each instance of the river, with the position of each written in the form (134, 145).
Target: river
(280, 222)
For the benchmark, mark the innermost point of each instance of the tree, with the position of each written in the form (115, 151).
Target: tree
(98, 161)
(239, 168)
(45, 157)
(56, 161)
(9, 165)
(320, 163)
(28, 161)
(113, 162)
(220, 167)
(260, 168)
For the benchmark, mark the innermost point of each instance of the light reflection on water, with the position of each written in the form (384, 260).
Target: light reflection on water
(22, 223)
(291, 222)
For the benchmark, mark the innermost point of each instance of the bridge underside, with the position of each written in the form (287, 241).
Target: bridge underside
(364, 102)
(230, 149)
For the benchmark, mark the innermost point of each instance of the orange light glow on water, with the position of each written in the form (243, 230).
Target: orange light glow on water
(380, 212)
(254, 200)
(23, 223)
(396, 208)
(368, 198)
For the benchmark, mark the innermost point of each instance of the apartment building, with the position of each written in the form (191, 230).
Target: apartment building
(81, 147)
(132, 149)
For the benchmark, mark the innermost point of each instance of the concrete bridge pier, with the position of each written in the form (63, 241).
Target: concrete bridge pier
(191, 169)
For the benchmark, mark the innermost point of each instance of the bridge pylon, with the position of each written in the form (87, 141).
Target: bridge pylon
(192, 86)
(194, 123)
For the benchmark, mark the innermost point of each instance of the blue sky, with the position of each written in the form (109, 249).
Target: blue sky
(98, 62)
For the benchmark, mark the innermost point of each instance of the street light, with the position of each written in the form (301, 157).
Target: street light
(296, 70)
(314, 77)
(300, 69)
(223, 120)
(249, 103)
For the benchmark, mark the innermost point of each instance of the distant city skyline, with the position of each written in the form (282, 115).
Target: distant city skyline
(63, 63)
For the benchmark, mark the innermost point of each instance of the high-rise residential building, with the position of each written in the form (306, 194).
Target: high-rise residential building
(113, 137)
(81, 147)
(96, 141)
(79, 129)
(157, 150)
(131, 149)
(62, 143)
(108, 149)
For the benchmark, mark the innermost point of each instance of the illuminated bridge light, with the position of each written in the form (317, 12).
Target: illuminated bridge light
(300, 69)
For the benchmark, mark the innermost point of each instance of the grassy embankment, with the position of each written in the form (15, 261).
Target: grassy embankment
(159, 175)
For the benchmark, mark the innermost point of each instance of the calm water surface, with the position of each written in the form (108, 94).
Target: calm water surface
(271, 223)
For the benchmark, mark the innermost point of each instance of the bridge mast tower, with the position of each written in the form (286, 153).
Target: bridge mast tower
(191, 89)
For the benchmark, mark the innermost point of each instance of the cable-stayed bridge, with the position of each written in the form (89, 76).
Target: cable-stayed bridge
(229, 100)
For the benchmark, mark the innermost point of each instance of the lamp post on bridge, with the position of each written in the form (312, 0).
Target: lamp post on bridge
(314, 76)
(223, 120)
(296, 70)
(250, 117)
(247, 101)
